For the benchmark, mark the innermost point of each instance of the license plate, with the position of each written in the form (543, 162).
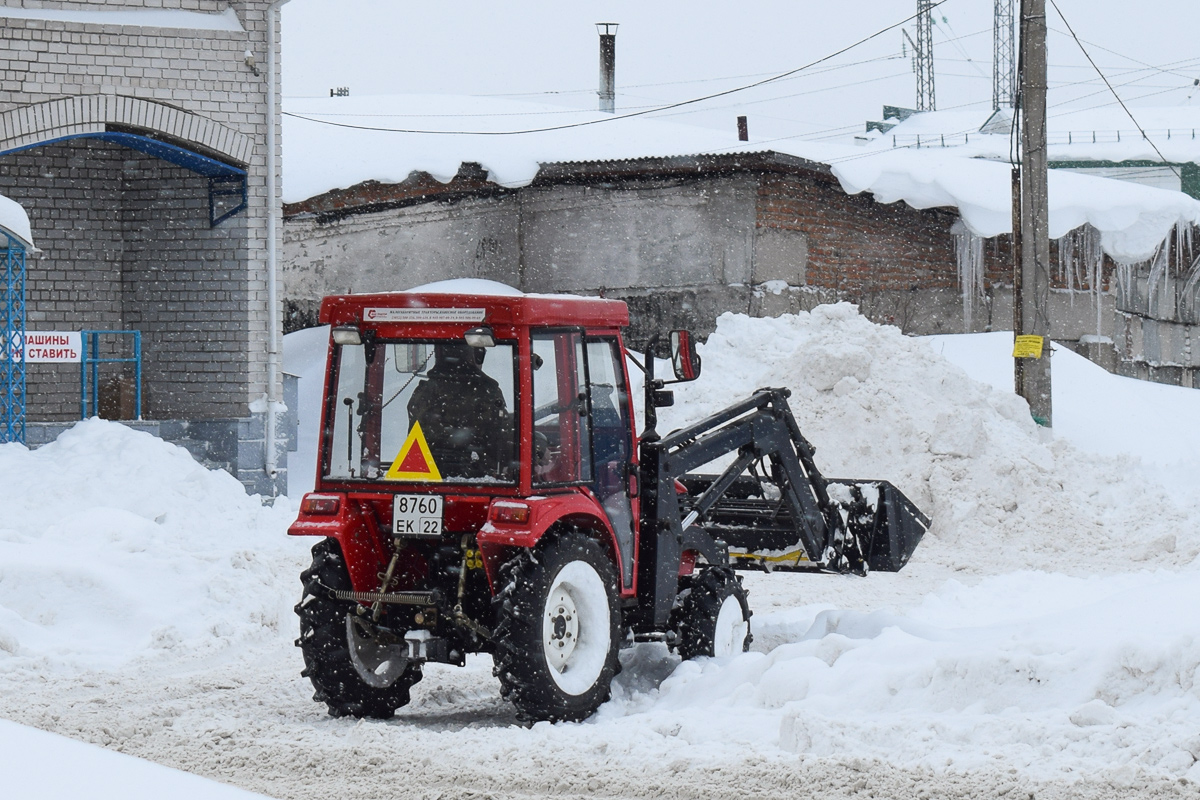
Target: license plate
(417, 515)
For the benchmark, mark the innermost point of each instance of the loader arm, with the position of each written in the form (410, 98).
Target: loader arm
(758, 429)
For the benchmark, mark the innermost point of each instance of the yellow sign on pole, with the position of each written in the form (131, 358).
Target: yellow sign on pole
(1027, 346)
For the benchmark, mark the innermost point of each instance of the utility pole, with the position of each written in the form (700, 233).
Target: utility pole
(923, 57)
(1031, 237)
(1004, 57)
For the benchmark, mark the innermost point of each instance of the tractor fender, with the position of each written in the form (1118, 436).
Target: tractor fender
(499, 536)
(361, 545)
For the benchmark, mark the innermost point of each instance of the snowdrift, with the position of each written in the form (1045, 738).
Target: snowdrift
(1002, 494)
(1042, 625)
(115, 544)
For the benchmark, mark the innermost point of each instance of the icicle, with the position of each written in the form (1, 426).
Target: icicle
(1158, 272)
(968, 251)
(1125, 281)
(1066, 257)
(1178, 231)
(1188, 292)
(1093, 264)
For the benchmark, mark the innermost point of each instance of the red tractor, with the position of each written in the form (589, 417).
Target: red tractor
(481, 487)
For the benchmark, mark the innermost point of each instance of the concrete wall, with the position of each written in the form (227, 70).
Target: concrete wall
(679, 250)
(1157, 333)
(674, 249)
(398, 249)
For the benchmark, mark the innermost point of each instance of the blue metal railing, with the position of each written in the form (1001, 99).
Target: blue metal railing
(12, 340)
(91, 358)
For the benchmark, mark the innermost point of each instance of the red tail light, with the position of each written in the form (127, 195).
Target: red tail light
(510, 513)
(320, 504)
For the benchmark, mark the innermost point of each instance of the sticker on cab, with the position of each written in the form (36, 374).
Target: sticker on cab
(415, 462)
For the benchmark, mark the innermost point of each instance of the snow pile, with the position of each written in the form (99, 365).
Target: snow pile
(304, 354)
(115, 544)
(145, 604)
(1043, 672)
(14, 220)
(1087, 401)
(32, 763)
(877, 404)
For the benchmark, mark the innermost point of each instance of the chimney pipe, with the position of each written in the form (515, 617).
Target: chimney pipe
(743, 130)
(608, 66)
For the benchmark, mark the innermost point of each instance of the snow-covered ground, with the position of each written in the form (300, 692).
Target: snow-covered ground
(38, 765)
(1041, 642)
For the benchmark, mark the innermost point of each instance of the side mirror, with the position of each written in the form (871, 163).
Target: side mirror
(684, 358)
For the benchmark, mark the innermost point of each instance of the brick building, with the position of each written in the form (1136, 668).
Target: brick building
(681, 239)
(135, 134)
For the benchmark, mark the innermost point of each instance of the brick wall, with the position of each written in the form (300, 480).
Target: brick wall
(72, 193)
(126, 244)
(856, 245)
(200, 72)
(184, 287)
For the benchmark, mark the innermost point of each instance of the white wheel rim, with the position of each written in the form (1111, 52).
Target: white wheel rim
(379, 665)
(732, 628)
(575, 628)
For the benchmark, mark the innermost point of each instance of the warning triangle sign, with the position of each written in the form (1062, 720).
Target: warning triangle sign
(415, 462)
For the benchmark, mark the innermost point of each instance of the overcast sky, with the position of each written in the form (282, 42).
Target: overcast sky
(669, 50)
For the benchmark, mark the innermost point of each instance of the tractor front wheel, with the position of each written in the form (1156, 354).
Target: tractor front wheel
(714, 617)
(355, 673)
(558, 628)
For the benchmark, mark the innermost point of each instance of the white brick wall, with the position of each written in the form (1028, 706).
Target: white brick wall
(62, 78)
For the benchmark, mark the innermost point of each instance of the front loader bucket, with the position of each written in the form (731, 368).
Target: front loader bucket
(899, 526)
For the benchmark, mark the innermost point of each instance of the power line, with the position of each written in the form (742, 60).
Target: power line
(1110, 88)
(613, 118)
(1116, 52)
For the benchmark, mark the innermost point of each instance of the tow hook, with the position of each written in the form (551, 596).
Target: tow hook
(424, 646)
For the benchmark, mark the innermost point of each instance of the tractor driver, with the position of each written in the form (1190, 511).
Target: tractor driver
(463, 414)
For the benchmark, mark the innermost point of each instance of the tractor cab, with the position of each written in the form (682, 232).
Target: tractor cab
(439, 405)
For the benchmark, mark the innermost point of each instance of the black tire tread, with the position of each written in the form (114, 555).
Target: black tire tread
(323, 642)
(519, 664)
(695, 619)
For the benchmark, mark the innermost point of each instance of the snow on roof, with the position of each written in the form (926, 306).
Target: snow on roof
(14, 220)
(1131, 218)
(474, 286)
(320, 157)
(931, 122)
(142, 18)
(1094, 134)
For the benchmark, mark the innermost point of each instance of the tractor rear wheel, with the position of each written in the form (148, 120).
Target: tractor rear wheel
(354, 673)
(714, 618)
(558, 628)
